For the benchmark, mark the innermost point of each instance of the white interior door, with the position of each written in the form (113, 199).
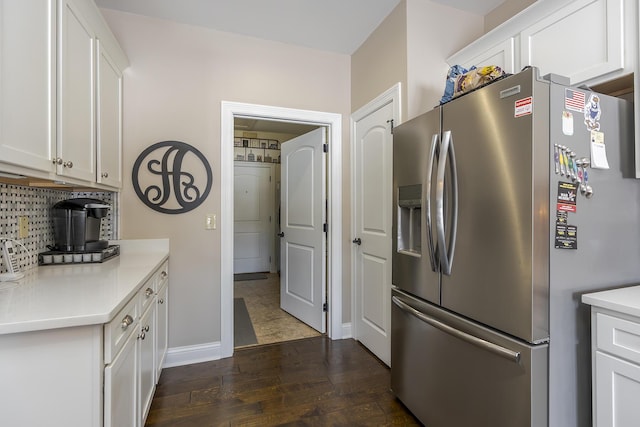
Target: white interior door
(253, 215)
(302, 249)
(372, 225)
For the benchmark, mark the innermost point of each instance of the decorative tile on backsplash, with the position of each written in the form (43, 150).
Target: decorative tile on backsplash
(36, 204)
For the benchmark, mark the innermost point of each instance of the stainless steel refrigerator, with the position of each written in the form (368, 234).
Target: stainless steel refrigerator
(504, 214)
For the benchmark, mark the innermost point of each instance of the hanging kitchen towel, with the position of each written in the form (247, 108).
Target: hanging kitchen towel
(475, 78)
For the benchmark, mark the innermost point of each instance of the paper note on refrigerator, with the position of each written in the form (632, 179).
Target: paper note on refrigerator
(598, 151)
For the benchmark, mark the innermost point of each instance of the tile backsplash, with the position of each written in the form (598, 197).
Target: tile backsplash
(36, 204)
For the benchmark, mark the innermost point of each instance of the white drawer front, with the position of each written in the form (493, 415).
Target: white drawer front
(618, 336)
(162, 276)
(147, 293)
(118, 330)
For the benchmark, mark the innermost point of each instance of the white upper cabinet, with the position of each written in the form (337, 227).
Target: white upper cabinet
(502, 55)
(28, 83)
(582, 41)
(109, 120)
(76, 111)
(588, 41)
(60, 93)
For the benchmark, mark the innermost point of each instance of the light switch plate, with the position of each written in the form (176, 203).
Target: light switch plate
(210, 223)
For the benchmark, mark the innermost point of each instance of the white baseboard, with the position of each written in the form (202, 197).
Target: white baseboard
(346, 331)
(187, 355)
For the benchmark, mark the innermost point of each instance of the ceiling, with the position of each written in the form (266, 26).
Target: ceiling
(339, 26)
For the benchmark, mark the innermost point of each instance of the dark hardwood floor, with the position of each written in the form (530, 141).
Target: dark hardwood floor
(309, 382)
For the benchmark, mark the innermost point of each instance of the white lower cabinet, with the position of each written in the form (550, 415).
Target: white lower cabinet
(617, 391)
(131, 376)
(162, 328)
(121, 386)
(147, 373)
(615, 361)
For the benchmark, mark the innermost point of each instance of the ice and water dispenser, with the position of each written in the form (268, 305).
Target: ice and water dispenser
(409, 219)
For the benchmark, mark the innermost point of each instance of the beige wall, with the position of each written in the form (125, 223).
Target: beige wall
(177, 79)
(434, 32)
(381, 61)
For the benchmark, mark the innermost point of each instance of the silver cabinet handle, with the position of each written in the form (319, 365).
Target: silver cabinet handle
(105, 175)
(142, 336)
(57, 161)
(163, 274)
(161, 301)
(357, 241)
(146, 328)
(68, 164)
(127, 321)
(148, 292)
(511, 355)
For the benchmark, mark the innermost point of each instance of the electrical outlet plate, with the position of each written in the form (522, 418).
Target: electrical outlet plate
(23, 227)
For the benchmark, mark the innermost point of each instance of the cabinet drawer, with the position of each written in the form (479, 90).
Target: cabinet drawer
(147, 293)
(618, 336)
(118, 330)
(162, 276)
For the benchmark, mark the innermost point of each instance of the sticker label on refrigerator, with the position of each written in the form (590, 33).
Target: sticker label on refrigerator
(574, 100)
(592, 113)
(523, 107)
(566, 236)
(567, 196)
(598, 151)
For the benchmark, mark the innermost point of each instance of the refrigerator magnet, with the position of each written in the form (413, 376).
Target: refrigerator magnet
(598, 151)
(567, 195)
(592, 113)
(567, 123)
(566, 237)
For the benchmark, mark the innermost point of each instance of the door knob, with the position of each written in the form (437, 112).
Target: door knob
(357, 241)
(281, 234)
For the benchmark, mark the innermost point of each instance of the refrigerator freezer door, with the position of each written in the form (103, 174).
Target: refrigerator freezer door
(415, 150)
(499, 276)
(452, 372)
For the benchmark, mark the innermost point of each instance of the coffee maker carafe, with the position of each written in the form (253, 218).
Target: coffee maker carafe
(76, 225)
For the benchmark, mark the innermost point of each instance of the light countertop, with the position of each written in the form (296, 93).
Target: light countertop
(623, 300)
(58, 296)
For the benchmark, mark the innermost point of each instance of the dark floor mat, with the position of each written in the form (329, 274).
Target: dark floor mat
(249, 276)
(243, 333)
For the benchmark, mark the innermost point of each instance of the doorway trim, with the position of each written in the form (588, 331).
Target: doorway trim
(333, 121)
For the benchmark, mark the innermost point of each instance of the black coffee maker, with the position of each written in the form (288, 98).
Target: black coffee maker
(76, 225)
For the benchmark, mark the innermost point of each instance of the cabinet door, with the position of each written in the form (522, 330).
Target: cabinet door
(146, 366)
(121, 385)
(581, 41)
(76, 129)
(501, 55)
(162, 329)
(617, 387)
(27, 83)
(109, 120)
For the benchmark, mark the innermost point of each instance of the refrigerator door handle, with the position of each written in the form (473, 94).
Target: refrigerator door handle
(426, 196)
(499, 350)
(446, 252)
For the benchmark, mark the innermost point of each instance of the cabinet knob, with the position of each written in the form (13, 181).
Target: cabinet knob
(148, 292)
(161, 301)
(146, 328)
(127, 321)
(142, 336)
(163, 274)
(68, 164)
(105, 174)
(57, 161)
